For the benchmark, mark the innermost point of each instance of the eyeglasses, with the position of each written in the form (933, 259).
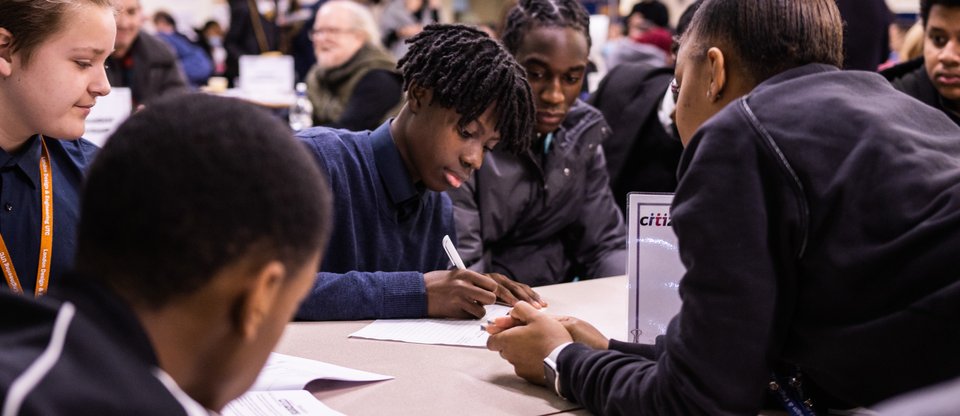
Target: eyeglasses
(675, 90)
(328, 31)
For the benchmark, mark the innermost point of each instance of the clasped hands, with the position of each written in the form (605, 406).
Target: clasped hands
(527, 335)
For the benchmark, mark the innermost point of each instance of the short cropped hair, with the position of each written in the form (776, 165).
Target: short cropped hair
(654, 11)
(32, 22)
(192, 184)
(468, 71)
(926, 5)
(530, 14)
(165, 17)
(771, 36)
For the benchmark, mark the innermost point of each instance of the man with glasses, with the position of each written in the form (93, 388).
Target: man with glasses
(354, 84)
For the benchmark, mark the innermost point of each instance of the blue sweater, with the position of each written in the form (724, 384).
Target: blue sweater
(386, 230)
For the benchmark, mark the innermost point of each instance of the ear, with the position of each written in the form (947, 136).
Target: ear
(418, 97)
(6, 52)
(258, 298)
(718, 74)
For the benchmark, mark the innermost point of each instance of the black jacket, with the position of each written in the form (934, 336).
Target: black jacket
(543, 223)
(866, 38)
(911, 78)
(641, 155)
(105, 365)
(827, 242)
(155, 71)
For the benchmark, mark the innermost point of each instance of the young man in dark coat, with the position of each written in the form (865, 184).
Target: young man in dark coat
(546, 215)
(935, 78)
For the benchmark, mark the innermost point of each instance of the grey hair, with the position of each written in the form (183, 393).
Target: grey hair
(362, 19)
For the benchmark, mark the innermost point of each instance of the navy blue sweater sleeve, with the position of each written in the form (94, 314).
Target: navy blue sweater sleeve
(365, 295)
(371, 269)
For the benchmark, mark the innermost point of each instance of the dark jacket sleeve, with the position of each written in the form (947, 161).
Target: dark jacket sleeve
(373, 96)
(603, 234)
(648, 351)
(157, 72)
(716, 349)
(466, 218)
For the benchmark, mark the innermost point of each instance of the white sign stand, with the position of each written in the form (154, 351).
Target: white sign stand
(654, 269)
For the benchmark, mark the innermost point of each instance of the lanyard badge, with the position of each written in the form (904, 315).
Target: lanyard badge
(46, 233)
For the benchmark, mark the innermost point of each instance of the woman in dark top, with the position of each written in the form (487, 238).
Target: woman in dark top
(817, 218)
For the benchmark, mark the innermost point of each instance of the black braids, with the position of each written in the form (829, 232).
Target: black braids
(529, 14)
(468, 71)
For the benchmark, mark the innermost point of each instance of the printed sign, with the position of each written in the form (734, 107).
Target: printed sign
(107, 114)
(267, 73)
(654, 269)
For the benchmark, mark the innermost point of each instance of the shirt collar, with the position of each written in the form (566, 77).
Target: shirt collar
(189, 404)
(27, 160)
(393, 173)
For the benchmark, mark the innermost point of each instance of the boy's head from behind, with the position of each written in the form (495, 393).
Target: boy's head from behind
(465, 94)
(209, 219)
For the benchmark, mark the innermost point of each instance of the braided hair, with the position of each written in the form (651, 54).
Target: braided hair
(468, 71)
(529, 14)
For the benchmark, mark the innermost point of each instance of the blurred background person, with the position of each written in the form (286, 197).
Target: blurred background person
(647, 37)
(644, 148)
(912, 47)
(401, 19)
(210, 39)
(140, 61)
(354, 84)
(252, 31)
(897, 32)
(866, 38)
(196, 65)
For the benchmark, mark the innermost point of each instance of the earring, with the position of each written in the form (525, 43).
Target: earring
(714, 97)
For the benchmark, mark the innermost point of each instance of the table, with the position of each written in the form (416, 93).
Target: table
(448, 380)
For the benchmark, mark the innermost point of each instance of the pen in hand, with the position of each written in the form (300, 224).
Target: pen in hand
(452, 253)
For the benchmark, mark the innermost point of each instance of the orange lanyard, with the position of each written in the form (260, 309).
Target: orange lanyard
(46, 233)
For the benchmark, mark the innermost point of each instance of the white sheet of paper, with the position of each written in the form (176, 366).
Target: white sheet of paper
(277, 403)
(433, 331)
(110, 110)
(286, 372)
